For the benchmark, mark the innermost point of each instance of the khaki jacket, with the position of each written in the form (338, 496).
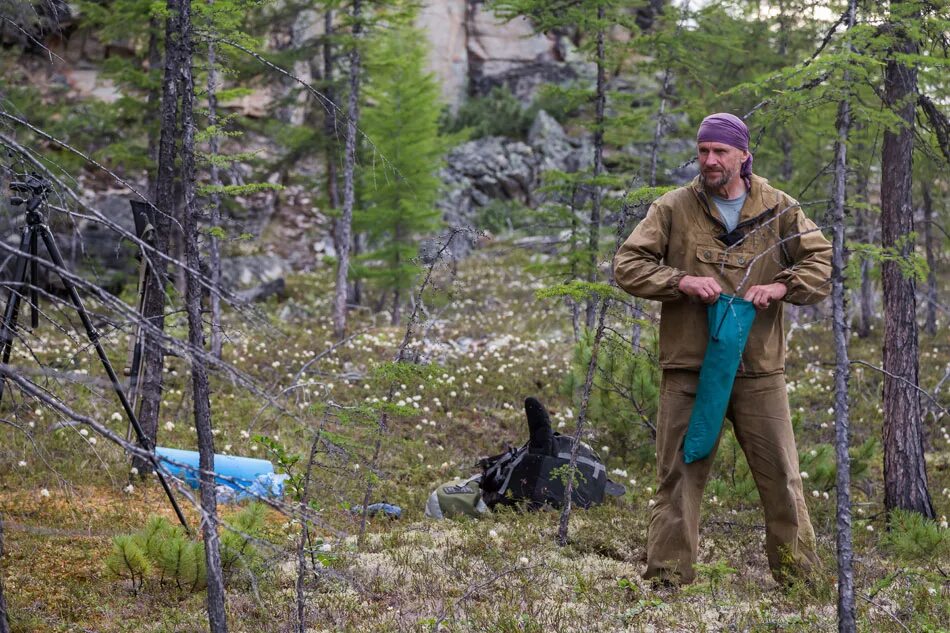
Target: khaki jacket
(684, 234)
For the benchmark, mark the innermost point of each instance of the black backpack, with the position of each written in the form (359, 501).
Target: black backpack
(536, 472)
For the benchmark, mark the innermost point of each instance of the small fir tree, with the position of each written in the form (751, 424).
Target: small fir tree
(400, 188)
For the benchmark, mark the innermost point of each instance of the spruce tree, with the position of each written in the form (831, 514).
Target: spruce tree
(400, 187)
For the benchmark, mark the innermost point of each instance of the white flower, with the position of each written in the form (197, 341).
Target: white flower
(605, 449)
(245, 435)
(493, 533)
(651, 503)
(931, 591)
(84, 432)
(169, 426)
(93, 440)
(804, 475)
(619, 472)
(815, 493)
(326, 547)
(524, 560)
(21, 463)
(129, 489)
(870, 528)
(501, 387)
(116, 416)
(133, 471)
(44, 492)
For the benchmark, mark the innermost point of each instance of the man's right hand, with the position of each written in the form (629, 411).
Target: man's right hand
(706, 289)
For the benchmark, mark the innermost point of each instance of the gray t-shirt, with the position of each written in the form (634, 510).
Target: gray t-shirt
(730, 209)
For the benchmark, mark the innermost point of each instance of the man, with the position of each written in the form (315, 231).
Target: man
(728, 232)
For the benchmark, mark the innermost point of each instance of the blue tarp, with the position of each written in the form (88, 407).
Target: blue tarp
(730, 320)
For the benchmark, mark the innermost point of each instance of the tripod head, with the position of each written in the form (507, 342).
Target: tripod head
(36, 188)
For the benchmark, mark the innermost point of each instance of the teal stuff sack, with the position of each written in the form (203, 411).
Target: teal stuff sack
(730, 320)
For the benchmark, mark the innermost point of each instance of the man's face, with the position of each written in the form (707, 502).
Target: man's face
(719, 163)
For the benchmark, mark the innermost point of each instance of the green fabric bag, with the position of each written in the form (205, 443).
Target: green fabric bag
(730, 320)
(456, 498)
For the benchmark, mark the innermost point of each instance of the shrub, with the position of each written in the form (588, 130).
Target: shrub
(917, 539)
(168, 550)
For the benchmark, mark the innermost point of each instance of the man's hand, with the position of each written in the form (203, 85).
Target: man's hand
(706, 289)
(762, 296)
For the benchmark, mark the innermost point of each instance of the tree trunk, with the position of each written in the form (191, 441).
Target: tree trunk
(863, 226)
(214, 247)
(841, 327)
(565, 518)
(600, 99)
(930, 322)
(329, 121)
(344, 225)
(905, 472)
(154, 102)
(4, 621)
(153, 308)
(575, 309)
(217, 619)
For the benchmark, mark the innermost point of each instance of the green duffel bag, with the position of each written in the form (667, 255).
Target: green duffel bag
(456, 498)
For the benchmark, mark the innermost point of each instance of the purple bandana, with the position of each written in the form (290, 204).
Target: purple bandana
(723, 127)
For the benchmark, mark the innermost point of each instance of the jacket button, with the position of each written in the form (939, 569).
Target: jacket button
(707, 254)
(741, 259)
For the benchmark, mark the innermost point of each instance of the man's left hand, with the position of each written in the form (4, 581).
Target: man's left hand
(762, 296)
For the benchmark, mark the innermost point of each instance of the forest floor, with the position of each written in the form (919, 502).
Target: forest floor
(488, 343)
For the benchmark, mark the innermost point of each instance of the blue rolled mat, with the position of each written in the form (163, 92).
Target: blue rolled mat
(244, 470)
(730, 320)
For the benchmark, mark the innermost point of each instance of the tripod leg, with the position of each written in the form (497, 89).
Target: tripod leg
(13, 304)
(93, 335)
(34, 284)
(136, 355)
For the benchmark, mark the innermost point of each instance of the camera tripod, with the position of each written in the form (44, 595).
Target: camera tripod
(31, 190)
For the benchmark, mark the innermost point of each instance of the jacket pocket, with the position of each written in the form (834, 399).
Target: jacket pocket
(720, 257)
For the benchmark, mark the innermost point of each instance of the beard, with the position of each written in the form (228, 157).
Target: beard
(716, 179)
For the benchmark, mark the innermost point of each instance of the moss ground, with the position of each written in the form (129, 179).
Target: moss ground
(486, 342)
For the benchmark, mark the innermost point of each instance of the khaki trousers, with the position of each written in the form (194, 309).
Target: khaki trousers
(758, 409)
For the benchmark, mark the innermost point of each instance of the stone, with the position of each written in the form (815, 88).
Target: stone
(443, 22)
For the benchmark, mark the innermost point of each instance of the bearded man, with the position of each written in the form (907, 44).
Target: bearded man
(727, 232)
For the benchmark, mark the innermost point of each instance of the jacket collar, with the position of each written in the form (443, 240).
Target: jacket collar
(760, 197)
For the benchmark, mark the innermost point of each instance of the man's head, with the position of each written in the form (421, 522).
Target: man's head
(723, 148)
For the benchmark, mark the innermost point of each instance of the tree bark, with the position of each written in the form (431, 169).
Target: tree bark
(344, 225)
(214, 247)
(154, 102)
(599, 104)
(905, 472)
(863, 226)
(841, 327)
(564, 521)
(329, 121)
(4, 621)
(575, 309)
(930, 321)
(217, 618)
(153, 308)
